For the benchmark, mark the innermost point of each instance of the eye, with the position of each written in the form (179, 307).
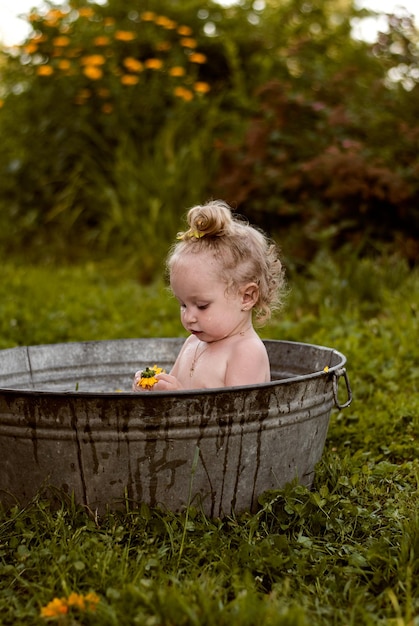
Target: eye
(202, 307)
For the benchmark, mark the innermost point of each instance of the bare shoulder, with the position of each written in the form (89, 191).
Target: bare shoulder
(249, 346)
(248, 362)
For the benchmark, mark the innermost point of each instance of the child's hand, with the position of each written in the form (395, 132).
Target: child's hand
(166, 382)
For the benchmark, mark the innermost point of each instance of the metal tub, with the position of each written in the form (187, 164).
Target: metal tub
(68, 419)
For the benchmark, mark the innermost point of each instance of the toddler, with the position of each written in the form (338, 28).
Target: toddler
(222, 271)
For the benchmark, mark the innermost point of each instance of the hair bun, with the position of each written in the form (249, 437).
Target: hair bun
(209, 220)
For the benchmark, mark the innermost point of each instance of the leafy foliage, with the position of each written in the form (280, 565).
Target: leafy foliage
(318, 161)
(114, 120)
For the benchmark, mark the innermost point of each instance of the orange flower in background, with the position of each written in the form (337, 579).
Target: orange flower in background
(30, 48)
(45, 70)
(107, 108)
(188, 42)
(185, 31)
(202, 87)
(93, 59)
(153, 64)
(102, 40)
(129, 79)
(86, 12)
(93, 72)
(109, 21)
(197, 57)
(148, 16)
(165, 22)
(125, 35)
(183, 93)
(177, 70)
(61, 41)
(132, 64)
(1, 103)
(64, 64)
(53, 17)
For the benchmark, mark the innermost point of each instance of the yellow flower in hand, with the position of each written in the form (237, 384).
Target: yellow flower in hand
(148, 377)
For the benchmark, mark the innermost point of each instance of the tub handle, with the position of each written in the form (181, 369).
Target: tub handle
(336, 375)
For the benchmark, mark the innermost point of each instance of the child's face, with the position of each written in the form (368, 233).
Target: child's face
(205, 309)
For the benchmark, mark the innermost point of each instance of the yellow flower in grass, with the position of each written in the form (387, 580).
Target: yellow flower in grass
(55, 608)
(148, 377)
(77, 601)
(92, 600)
(88, 602)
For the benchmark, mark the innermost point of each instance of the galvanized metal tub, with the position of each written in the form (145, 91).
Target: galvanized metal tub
(68, 419)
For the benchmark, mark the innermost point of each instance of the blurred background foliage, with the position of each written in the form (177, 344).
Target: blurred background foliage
(116, 117)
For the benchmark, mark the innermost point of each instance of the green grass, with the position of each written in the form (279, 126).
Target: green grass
(344, 553)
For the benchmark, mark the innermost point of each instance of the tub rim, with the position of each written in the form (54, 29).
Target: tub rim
(333, 372)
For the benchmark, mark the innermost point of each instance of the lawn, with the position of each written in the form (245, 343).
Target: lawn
(345, 552)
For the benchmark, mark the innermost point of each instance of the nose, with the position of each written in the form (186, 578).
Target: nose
(189, 316)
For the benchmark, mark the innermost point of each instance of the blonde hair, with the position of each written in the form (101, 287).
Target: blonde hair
(244, 253)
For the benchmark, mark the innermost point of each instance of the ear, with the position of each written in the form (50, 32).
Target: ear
(249, 296)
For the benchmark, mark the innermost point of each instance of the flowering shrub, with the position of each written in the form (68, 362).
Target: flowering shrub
(86, 100)
(100, 56)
